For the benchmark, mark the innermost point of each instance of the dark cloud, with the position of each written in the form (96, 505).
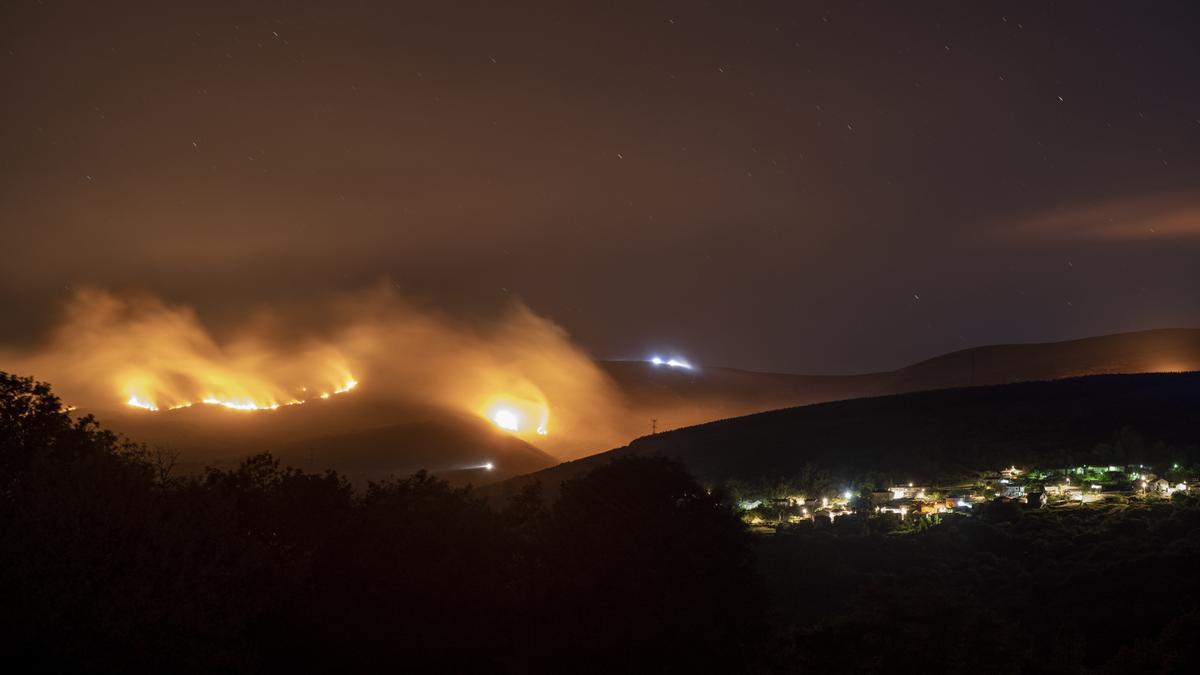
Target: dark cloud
(764, 186)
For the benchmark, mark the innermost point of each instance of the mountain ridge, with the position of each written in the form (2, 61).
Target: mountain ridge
(930, 434)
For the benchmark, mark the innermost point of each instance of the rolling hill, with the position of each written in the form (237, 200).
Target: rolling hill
(368, 438)
(359, 437)
(939, 434)
(678, 398)
(465, 451)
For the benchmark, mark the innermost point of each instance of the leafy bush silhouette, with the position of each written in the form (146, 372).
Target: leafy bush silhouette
(111, 564)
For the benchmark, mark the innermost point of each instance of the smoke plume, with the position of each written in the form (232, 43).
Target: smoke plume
(110, 351)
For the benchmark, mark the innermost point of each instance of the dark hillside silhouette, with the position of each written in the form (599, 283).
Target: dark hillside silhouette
(368, 438)
(678, 398)
(938, 434)
(364, 439)
(455, 449)
(109, 564)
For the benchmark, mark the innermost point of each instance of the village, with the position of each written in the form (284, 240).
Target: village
(915, 506)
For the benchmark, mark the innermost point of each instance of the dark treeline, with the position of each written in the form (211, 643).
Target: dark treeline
(1099, 589)
(108, 563)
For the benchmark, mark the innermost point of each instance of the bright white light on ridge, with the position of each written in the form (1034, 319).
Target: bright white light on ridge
(672, 362)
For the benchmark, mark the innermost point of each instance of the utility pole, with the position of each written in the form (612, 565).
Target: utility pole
(653, 426)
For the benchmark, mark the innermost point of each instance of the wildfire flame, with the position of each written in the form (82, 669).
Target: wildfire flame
(139, 403)
(147, 403)
(144, 354)
(517, 415)
(506, 419)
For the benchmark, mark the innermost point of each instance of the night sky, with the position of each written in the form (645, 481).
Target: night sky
(789, 186)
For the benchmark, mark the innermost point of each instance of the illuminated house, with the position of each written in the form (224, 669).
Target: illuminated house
(928, 508)
(881, 497)
(1012, 491)
(909, 491)
(1012, 473)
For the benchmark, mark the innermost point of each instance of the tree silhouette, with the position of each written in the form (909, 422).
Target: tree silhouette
(649, 571)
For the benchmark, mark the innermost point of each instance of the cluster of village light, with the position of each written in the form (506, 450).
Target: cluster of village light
(1006, 485)
(233, 403)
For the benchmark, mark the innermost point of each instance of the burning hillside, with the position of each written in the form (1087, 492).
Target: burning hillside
(517, 370)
